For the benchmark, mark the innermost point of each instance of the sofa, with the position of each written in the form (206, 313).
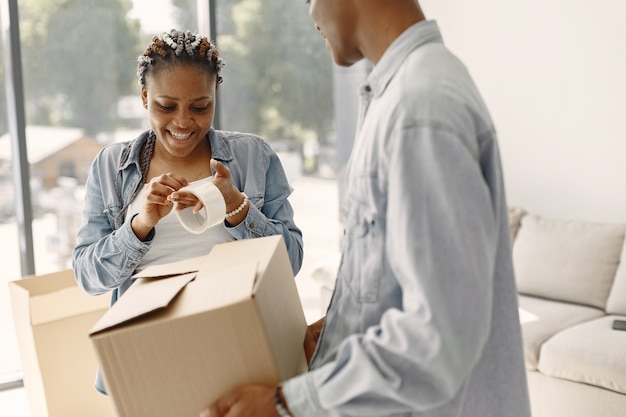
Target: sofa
(571, 282)
(572, 285)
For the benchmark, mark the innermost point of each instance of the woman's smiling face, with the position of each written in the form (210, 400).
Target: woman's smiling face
(180, 100)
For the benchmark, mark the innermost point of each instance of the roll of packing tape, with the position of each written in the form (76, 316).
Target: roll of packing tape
(212, 212)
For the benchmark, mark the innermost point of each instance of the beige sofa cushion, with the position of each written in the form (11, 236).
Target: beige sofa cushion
(591, 353)
(541, 319)
(616, 304)
(571, 261)
(515, 217)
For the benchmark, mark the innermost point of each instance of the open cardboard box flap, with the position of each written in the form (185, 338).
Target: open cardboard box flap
(143, 297)
(156, 287)
(172, 268)
(54, 297)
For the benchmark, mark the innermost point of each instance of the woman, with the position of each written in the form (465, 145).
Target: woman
(130, 194)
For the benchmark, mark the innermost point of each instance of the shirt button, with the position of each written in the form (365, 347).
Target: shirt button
(368, 89)
(142, 250)
(252, 225)
(133, 265)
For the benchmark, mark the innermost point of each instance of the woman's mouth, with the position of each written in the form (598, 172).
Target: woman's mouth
(180, 136)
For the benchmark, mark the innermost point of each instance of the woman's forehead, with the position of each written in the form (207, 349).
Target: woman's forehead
(180, 72)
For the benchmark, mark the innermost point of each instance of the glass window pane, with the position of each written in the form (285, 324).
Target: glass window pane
(277, 79)
(278, 82)
(9, 356)
(80, 93)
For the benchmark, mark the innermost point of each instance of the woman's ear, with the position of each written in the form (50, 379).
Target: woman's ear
(144, 96)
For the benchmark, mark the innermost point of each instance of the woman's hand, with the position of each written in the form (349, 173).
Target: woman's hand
(163, 191)
(184, 199)
(157, 203)
(232, 196)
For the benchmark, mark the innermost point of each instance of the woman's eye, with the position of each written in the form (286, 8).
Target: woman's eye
(166, 108)
(199, 109)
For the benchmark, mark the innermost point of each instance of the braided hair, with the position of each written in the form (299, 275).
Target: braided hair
(179, 46)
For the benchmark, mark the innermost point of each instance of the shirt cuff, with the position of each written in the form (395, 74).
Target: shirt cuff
(301, 395)
(253, 225)
(133, 247)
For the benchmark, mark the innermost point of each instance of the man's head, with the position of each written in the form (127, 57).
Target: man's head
(357, 29)
(337, 20)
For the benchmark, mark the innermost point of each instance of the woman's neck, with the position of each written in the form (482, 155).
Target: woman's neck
(192, 167)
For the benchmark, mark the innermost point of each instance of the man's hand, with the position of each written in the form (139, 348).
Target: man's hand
(313, 332)
(244, 401)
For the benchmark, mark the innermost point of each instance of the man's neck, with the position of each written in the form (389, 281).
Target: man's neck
(383, 24)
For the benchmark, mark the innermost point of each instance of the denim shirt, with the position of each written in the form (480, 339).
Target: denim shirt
(424, 319)
(107, 251)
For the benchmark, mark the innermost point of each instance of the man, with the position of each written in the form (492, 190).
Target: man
(424, 318)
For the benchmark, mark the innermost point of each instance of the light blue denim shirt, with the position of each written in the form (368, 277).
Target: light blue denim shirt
(107, 251)
(424, 317)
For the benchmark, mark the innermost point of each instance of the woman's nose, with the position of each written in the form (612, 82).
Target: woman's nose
(183, 119)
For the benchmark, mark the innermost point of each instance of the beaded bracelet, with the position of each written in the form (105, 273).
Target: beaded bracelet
(238, 209)
(280, 406)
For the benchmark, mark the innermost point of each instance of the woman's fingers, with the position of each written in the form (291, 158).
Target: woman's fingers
(185, 199)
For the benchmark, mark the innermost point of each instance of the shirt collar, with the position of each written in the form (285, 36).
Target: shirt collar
(219, 149)
(133, 151)
(419, 34)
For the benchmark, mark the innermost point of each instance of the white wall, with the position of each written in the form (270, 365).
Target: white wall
(553, 73)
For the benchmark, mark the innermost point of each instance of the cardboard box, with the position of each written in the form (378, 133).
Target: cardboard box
(53, 317)
(177, 339)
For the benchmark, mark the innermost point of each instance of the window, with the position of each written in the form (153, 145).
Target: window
(8, 236)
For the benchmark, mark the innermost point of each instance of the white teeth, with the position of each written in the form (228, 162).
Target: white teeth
(180, 136)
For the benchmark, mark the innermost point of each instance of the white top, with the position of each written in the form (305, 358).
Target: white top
(172, 242)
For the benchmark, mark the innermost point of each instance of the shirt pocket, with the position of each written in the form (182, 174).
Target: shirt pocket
(362, 249)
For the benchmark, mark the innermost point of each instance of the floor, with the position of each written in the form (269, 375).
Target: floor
(316, 213)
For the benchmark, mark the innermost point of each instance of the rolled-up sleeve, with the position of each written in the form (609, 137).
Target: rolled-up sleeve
(104, 258)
